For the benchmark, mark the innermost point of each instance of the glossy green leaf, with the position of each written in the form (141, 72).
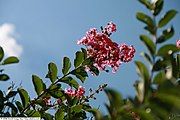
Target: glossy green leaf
(1, 53)
(66, 65)
(76, 108)
(158, 7)
(146, 57)
(10, 60)
(24, 96)
(59, 115)
(145, 19)
(168, 49)
(149, 44)
(4, 77)
(166, 34)
(167, 17)
(159, 78)
(32, 113)
(53, 71)
(38, 84)
(78, 59)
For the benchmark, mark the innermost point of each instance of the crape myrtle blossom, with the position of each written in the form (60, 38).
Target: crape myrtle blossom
(75, 93)
(178, 43)
(103, 50)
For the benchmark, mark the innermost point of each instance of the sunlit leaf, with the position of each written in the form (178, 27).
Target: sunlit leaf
(38, 84)
(78, 59)
(32, 113)
(24, 96)
(59, 115)
(168, 49)
(145, 19)
(10, 60)
(53, 71)
(66, 65)
(167, 17)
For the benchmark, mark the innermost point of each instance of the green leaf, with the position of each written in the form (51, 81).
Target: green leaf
(1, 53)
(4, 77)
(19, 106)
(159, 78)
(114, 97)
(147, 4)
(158, 7)
(53, 71)
(47, 116)
(79, 59)
(76, 108)
(161, 65)
(166, 50)
(167, 17)
(149, 44)
(59, 115)
(80, 73)
(70, 81)
(38, 84)
(166, 34)
(56, 94)
(85, 52)
(144, 115)
(147, 57)
(150, 29)
(12, 106)
(10, 60)
(145, 19)
(24, 96)
(66, 65)
(32, 113)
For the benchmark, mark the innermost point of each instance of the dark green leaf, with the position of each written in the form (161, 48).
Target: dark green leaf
(79, 59)
(66, 65)
(150, 29)
(166, 34)
(147, 4)
(149, 44)
(10, 60)
(94, 70)
(11, 94)
(161, 65)
(147, 57)
(12, 106)
(53, 71)
(19, 106)
(159, 78)
(4, 77)
(76, 108)
(145, 19)
(168, 49)
(32, 113)
(158, 7)
(1, 53)
(24, 96)
(70, 81)
(144, 115)
(167, 17)
(80, 73)
(85, 52)
(56, 94)
(38, 84)
(59, 115)
(47, 116)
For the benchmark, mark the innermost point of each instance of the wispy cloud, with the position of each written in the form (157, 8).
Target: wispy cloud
(8, 40)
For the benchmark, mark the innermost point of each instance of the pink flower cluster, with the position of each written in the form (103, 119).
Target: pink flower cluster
(103, 50)
(75, 93)
(178, 43)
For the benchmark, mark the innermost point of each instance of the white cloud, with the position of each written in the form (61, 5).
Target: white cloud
(8, 41)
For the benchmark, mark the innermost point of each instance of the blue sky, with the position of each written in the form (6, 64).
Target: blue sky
(48, 31)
